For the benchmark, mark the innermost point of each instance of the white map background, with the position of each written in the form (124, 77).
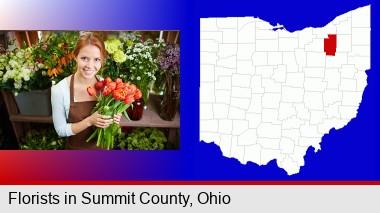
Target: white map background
(270, 94)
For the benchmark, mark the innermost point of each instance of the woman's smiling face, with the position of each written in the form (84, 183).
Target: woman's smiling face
(89, 61)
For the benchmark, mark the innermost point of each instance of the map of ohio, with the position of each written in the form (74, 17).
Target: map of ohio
(269, 94)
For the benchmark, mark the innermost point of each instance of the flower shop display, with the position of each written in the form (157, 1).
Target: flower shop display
(29, 72)
(35, 67)
(169, 62)
(143, 139)
(131, 58)
(115, 97)
(43, 139)
(56, 54)
(21, 73)
(135, 60)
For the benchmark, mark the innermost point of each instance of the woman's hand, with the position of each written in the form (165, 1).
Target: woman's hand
(116, 118)
(101, 121)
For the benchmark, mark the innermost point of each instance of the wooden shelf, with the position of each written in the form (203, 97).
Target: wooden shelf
(30, 118)
(151, 118)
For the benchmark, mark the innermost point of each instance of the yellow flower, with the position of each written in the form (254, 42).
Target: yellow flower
(119, 56)
(112, 45)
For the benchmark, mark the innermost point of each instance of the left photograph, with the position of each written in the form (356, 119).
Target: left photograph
(90, 90)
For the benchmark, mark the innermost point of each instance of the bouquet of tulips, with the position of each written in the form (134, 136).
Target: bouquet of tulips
(115, 97)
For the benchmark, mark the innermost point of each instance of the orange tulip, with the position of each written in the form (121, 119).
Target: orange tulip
(132, 89)
(129, 99)
(107, 91)
(91, 91)
(107, 80)
(118, 80)
(120, 86)
(138, 94)
(119, 94)
(111, 85)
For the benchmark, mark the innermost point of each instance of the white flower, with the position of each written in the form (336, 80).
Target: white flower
(13, 63)
(19, 54)
(18, 84)
(138, 78)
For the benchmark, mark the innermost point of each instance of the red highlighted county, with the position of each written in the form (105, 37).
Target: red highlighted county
(330, 44)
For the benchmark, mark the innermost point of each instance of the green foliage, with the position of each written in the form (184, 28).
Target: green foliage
(43, 139)
(55, 52)
(143, 139)
(35, 67)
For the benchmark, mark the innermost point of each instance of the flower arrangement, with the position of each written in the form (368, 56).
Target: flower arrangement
(140, 62)
(56, 54)
(115, 97)
(168, 60)
(35, 67)
(132, 59)
(20, 71)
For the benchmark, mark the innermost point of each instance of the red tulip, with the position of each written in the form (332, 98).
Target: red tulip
(100, 85)
(120, 86)
(91, 91)
(132, 89)
(118, 80)
(107, 91)
(129, 99)
(112, 86)
(119, 94)
(138, 94)
(107, 80)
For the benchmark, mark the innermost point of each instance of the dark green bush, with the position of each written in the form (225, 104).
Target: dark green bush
(143, 139)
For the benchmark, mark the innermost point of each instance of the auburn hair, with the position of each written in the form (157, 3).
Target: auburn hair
(93, 39)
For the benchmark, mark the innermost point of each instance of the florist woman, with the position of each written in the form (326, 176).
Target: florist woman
(71, 105)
